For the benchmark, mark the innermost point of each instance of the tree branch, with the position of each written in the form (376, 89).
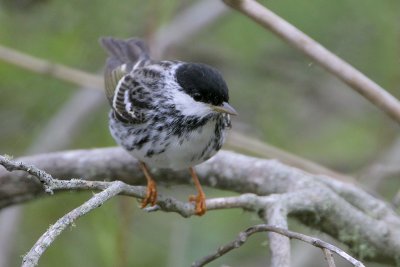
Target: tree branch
(50, 68)
(341, 69)
(366, 224)
(186, 24)
(275, 214)
(329, 258)
(279, 245)
(34, 254)
(243, 236)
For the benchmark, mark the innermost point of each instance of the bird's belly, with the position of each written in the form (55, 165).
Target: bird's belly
(173, 151)
(183, 154)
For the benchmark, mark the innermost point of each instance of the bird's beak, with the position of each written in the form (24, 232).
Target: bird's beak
(225, 108)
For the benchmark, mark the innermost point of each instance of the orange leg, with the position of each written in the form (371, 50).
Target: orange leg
(200, 199)
(151, 194)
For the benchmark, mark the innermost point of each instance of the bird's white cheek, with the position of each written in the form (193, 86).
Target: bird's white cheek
(189, 107)
(195, 108)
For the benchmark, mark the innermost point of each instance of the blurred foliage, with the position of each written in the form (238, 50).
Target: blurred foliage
(282, 97)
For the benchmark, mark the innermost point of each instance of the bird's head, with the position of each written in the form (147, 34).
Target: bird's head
(205, 86)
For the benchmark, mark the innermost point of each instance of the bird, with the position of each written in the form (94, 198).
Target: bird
(167, 114)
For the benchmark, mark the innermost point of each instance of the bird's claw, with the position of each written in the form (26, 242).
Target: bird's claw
(151, 194)
(200, 203)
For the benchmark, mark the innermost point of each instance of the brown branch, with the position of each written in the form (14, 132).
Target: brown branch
(341, 69)
(50, 68)
(186, 24)
(243, 236)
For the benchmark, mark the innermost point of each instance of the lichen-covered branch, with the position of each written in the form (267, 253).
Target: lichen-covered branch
(273, 207)
(364, 222)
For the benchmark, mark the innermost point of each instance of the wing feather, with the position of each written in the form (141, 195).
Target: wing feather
(124, 57)
(131, 100)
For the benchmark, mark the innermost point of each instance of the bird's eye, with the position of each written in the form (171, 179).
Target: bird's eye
(197, 97)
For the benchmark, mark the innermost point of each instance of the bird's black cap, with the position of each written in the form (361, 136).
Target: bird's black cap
(203, 83)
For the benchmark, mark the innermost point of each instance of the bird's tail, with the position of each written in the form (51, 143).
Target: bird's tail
(124, 56)
(121, 52)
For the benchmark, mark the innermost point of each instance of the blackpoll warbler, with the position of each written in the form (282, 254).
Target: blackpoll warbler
(167, 114)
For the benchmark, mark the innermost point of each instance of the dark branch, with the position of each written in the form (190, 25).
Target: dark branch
(243, 236)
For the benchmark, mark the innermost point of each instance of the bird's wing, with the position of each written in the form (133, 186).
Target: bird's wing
(111, 80)
(124, 57)
(132, 99)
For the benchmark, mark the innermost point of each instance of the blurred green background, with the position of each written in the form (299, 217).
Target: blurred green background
(282, 97)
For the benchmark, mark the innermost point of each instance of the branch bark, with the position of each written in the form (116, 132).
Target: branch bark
(32, 257)
(365, 223)
(279, 245)
(329, 258)
(274, 213)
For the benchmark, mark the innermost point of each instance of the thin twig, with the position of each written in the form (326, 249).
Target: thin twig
(242, 238)
(341, 69)
(50, 68)
(329, 257)
(168, 204)
(42, 176)
(187, 24)
(245, 201)
(32, 257)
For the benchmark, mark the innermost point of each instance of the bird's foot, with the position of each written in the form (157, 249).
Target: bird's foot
(200, 202)
(151, 194)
